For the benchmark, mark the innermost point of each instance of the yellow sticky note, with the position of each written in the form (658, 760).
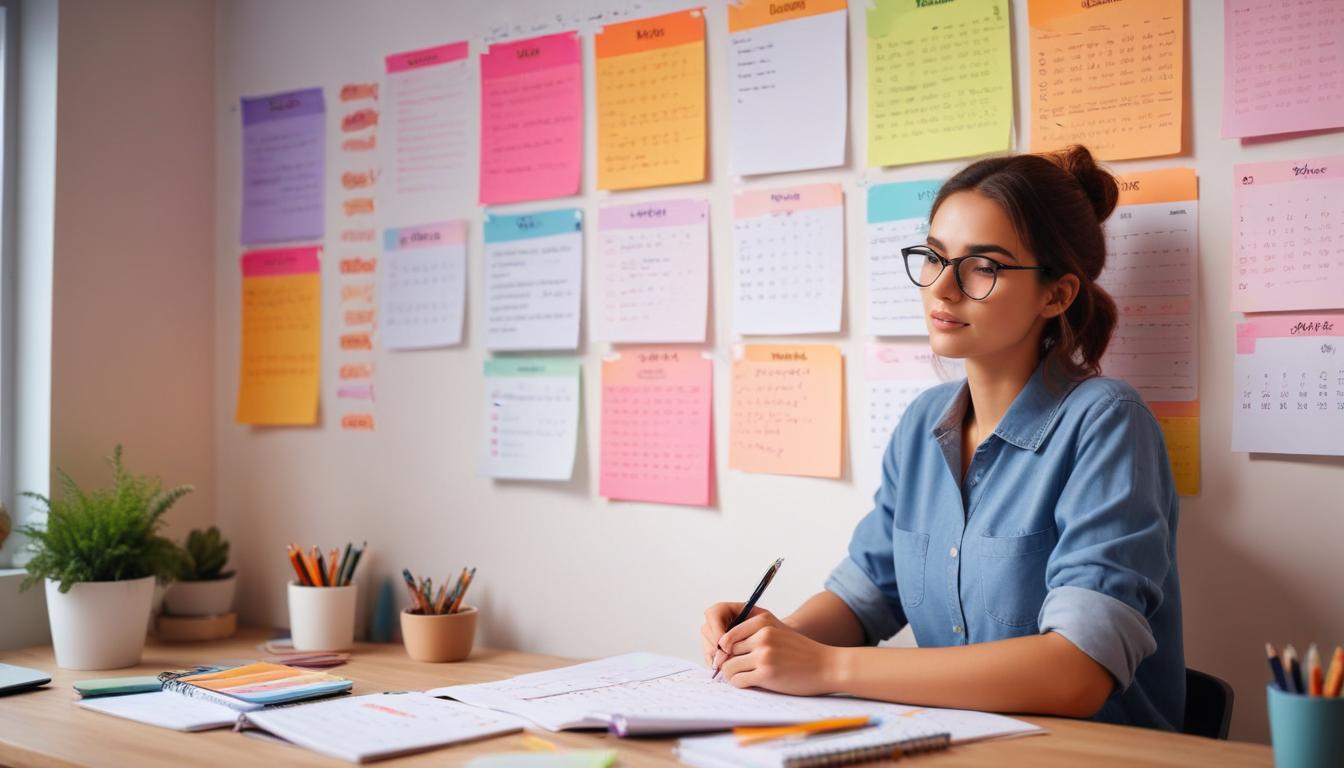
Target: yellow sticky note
(939, 81)
(787, 410)
(282, 337)
(651, 101)
(1108, 76)
(1180, 428)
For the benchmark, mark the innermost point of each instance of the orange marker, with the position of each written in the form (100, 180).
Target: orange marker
(1335, 680)
(298, 568)
(747, 736)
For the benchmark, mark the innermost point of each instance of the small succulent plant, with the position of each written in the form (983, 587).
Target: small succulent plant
(205, 556)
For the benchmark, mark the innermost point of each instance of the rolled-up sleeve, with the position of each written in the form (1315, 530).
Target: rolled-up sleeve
(1116, 522)
(866, 579)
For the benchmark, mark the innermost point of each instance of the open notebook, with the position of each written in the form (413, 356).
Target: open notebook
(922, 730)
(644, 693)
(380, 725)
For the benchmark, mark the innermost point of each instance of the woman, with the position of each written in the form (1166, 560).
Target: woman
(1026, 521)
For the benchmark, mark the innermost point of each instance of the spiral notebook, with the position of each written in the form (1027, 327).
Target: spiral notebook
(250, 687)
(881, 743)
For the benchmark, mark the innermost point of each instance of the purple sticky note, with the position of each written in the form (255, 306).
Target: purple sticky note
(284, 157)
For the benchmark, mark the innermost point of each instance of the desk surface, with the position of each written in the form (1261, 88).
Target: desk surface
(46, 728)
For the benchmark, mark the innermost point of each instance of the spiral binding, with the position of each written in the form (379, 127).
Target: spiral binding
(824, 757)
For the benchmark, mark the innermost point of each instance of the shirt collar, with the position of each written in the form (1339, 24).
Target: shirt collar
(1029, 419)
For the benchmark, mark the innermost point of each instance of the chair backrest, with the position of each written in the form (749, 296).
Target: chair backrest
(1208, 704)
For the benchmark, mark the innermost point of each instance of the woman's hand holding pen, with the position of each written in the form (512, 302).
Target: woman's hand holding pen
(764, 652)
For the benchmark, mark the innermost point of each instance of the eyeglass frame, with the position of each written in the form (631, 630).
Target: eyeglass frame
(956, 268)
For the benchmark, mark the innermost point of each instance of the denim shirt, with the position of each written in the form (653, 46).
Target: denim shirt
(1065, 522)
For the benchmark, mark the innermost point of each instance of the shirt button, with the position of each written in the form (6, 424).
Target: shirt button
(952, 552)
(956, 629)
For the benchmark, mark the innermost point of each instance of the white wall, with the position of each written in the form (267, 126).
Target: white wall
(132, 326)
(565, 572)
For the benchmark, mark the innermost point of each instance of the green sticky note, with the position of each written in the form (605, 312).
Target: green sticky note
(582, 758)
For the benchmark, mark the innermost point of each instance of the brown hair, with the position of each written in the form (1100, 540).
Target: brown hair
(1056, 202)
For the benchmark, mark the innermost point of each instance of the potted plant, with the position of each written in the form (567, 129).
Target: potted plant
(203, 587)
(5, 524)
(100, 554)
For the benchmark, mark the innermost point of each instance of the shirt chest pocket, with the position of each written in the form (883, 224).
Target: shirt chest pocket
(1012, 575)
(911, 551)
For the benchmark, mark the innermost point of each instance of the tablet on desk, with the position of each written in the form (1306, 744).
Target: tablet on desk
(14, 679)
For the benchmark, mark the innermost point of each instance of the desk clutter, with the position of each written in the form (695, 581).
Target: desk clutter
(630, 695)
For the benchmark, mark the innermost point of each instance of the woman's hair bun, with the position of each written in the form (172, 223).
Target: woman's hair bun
(1097, 183)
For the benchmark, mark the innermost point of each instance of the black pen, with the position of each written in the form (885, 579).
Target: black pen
(751, 602)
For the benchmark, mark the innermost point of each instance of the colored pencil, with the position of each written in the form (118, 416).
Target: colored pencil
(458, 602)
(1315, 677)
(1335, 680)
(298, 567)
(1292, 670)
(1276, 667)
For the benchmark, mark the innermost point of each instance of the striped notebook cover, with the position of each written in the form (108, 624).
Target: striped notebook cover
(253, 686)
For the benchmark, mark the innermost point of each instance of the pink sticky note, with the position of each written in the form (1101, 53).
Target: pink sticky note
(531, 119)
(656, 407)
(1286, 327)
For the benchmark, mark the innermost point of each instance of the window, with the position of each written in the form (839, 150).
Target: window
(8, 92)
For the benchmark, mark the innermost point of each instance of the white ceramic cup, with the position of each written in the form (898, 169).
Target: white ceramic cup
(322, 618)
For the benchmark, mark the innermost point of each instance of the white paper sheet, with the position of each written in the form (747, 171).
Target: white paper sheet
(533, 280)
(642, 693)
(166, 710)
(652, 272)
(789, 269)
(789, 89)
(1289, 384)
(381, 725)
(1151, 256)
(424, 286)
(895, 373)
(898, 216)
(428, 150)
(531, 418)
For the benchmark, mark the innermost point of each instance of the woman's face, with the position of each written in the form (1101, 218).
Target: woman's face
(1008, 322)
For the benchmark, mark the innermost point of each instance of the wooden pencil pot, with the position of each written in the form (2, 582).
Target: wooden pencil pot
(439, 637)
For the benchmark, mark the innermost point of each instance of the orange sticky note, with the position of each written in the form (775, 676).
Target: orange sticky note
(651, 101)
(281, 337)
(1180, 428)
(1108, 76)
(787, 410)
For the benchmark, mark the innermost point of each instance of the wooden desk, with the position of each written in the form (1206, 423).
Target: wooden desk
(46, 728)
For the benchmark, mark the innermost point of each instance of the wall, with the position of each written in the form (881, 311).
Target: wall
(563, 571)
(132, 327)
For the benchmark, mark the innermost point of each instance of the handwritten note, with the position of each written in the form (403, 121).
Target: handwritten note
(651, 101)
(652, 272)
(787, 405)
(1289, 379)
(1180, 430)
(428, 135)
(1281, 66)
(789, 266)
(1152, 250)
(424, 285)
(533, 280)
(284, 155)
(939, 80)
(531, 418)
(895, 373)
(281, 337)
(1107, 75)
(531, 119)
(789, 67)
(898, 216)
(656, 405)
(1289, 246)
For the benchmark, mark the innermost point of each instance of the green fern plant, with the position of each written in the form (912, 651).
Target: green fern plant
(205, 555)
(107, 534)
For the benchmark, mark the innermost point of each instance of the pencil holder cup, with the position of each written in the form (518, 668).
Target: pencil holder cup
(439, 637)
(322, 618)
(1307, 731)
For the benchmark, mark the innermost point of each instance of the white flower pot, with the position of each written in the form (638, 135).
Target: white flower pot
(99, 624)
(200, 598)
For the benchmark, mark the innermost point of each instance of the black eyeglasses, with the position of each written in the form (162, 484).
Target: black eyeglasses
(976, 275)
